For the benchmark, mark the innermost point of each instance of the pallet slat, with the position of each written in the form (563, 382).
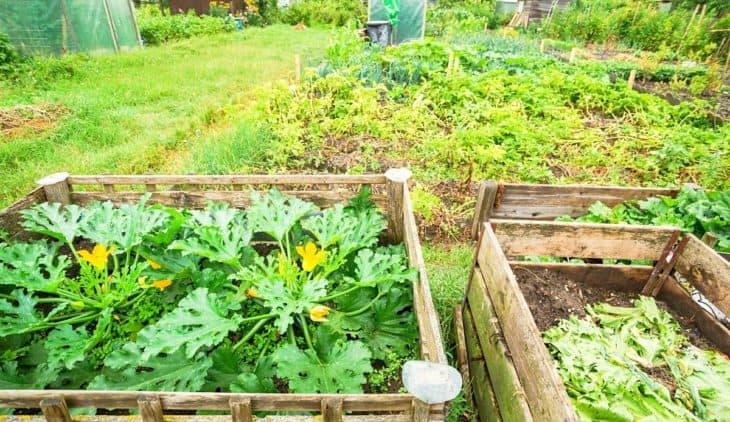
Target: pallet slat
(581, 240)
(480, 381)
(532, 360)
(707, 271)
(229, 179)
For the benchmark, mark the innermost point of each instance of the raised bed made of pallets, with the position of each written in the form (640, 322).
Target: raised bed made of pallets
(512, 374)
(547, 202)
(390, 192)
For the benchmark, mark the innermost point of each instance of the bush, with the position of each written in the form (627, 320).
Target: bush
(325, 12)
(462, 16)
(157, 29)
(9, 57)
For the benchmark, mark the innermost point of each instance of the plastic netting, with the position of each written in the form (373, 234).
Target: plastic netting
(409, 21)
(43, 27)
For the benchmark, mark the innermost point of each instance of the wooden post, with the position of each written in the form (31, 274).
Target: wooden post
(709, 239)
(462, 357)
(542, 45)
(395, 184)
(573, 53)
(691, 20)
(485, 202)
(150, 408)
(112, 29)
(420, 411)
(241, 410)
(332, 410)
(632, 78)
(55, 410)
(56, 188)
(450, 66)
(702, 16)
(727, 64)
(298, 68)
(457, 64)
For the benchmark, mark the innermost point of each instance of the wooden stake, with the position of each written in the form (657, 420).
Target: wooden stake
(395, 184)
(56, 188)
(450, 66)
(702, 16)
(462, 357)
(457, 64)
(727, 64)
(332, 410)
(420, 411)
(298, 68)
(710, 239)
(542, 45)
(691, 20)
(55, 410)
(573, 53)
(486, 198)
(632, 78)
(150, 408)
(241, 410)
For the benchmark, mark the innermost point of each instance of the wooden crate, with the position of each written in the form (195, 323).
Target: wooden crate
(511, 371)
(390, 193)
(548, 202)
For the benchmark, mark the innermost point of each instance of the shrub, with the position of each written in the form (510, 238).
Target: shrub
(9, 57)
(462, 16)
(325, 12)
(157, 29)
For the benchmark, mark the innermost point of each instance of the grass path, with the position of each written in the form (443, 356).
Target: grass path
(138, 112)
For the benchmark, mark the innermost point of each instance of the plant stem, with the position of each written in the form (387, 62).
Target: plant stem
(364, 308)
(306, 332)
(342, 293)
(258, 317)
(250, 334)
(292, 340)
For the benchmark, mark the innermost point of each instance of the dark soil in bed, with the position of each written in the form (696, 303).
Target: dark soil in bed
(552, 297)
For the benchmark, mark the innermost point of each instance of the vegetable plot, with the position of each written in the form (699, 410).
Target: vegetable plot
(281, 297)
(606, 360)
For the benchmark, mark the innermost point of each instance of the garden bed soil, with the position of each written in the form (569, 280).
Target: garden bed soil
(552, 298)
(721, 102)
(19, 120)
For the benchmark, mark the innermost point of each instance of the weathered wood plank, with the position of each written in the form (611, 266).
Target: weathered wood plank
(707, 271)
(547, 202)
(241, 410)
(462, 356)
(274, 179)
(215, 418)
(531, 359)
(508, 389)
(331, 410)
(55, 410)
(486, 197)
(395, 184)
(207, 401)
(581, 240)
(238, 199)
(627, 278)
(479, 380)
(428, 321)
(420, 411)
(150, 408)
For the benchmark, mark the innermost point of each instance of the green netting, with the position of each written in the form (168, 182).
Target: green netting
(407, 16)
(42, 27)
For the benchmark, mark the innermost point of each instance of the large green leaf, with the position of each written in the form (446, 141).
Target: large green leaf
(126, 370)
(25, 378)
(276, 214)
(338, 366)
(49, 219)
(202, 319)
(66, 346)
(124, 227)
(287, 303)
(35, 266)
(227, 366)
(20, 315)
(260, 380)
(382, 268)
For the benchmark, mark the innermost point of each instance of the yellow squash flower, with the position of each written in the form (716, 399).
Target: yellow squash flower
(162, 284)
(282, 263)
(142, 281)
(154, 265)
(97, 257)
(311, 257)
(319, 313)
(251, 293)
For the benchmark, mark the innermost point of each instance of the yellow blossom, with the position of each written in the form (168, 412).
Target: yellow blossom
(311, 257)
(319, 313)
(97, 257)
(142, 281)
(282, 263)
(154, 265)
(251, 293)
(162, 284)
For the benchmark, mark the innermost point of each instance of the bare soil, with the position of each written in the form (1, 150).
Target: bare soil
(20, 120)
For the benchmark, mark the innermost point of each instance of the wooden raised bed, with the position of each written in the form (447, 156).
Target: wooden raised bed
(511, 371)
(391, 195)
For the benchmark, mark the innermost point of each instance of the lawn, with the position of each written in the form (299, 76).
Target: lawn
(138, 112)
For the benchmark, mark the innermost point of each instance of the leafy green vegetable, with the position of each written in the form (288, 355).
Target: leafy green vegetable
(34, 266)
(66, 346)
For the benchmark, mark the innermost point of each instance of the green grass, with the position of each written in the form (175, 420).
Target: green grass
(140, 112)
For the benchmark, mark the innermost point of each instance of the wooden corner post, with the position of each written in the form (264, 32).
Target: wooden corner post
(486, 198)
(56, 188)
(55, 410)
(396, 184)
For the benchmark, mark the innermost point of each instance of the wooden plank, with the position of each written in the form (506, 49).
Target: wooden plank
(626, 278)
(548, 202)
(241, 410)
(396, 180)
(55, 410)
(462, 356)
(332, 410)
(10, 217)
(208, 401)
(150, 408)
(707, 271)
(214, 418)
(236, 199)
(432, 348)
(508, 389)
(682, 303)
(479, 380)
(273, 179)
(57, 188)
(485, 203)
(532, 361)
(420, 411)
(581, 240)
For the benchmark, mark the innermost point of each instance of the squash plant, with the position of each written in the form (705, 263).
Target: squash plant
(280, 297)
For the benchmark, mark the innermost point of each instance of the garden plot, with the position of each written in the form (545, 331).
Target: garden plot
(194, 286)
